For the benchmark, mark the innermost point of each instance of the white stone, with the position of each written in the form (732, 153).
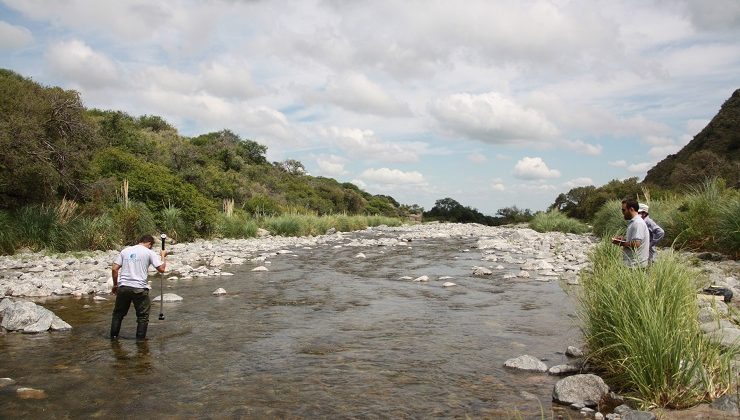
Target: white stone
(168, 297)
(481, 271)
(260, 268)
(360, 255)
(220, 291)
(422, 278)
(448, 284)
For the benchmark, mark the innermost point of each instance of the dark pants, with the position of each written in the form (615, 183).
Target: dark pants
(140, 298)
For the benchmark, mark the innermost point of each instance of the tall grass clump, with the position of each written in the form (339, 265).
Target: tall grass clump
(555, 221)
(608, 220)
(285, 225)
(378, 220)
(133, 221)
(93, 233)
(238, 225)
(172, 223)
(8, 234)
(640, 326)
(728, 225)
(38, 228)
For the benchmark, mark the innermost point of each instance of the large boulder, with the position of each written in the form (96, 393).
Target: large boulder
(19, 315)
(579, 389)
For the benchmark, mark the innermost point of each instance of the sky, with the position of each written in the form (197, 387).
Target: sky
(493, 103)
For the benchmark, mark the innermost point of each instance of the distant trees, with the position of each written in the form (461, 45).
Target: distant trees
(583, 202)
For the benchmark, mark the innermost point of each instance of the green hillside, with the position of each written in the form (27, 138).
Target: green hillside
(52, 147)
(715, 151)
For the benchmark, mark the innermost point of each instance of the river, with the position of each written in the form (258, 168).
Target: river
(322, 334)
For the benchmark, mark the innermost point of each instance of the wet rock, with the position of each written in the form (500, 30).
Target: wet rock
(220, 291)
(526, 362)
(28, 317)
(5, 382)
(566, 369)
(360, 255)
(422, 278)
(639, 415)
(30, 393)
(482, 271)
(727, 403)
(168, 297)
(260, 268)
(448, 284)
(572, 351)
(579, 388)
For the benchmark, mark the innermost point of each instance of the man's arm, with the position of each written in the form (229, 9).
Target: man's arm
(657, 234)
(163, 266)
(114, 274)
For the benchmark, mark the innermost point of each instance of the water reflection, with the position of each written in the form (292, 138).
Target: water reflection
(132, 356)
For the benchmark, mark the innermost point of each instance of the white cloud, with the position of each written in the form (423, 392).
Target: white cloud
(583, 147)
(364, 143)
(355, 92)
(640, 167)
(360, 183)
(490, 118)
(389, 176)
(78, 63)
(659, 152)
(13, 37)
(579, 182)
(331, 165)
(534, 168)
(618, 163)
(229, 79)
(477, 158)
(497, 184)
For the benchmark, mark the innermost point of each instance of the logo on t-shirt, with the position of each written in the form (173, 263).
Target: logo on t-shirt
(132, 257)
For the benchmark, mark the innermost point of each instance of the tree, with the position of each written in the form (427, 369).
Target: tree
(291, 166)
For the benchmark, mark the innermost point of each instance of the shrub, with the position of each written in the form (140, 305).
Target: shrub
(133, 221)
(640, 327)
(171, 222)
(285, 225)
(8, 234)
(608, 220)
(555, 221)
(238, 225)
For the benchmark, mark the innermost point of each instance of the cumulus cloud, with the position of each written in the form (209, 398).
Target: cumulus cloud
(497, 184)
(490, 118)
(77, 62)
(579, 182)
(13, 37)
(331, 165)
(389, 176)
(533, 168)
(583, 147)
(365, 144)
(355, 92)
(640, 167)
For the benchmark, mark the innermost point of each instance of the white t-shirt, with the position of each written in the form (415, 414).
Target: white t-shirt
(135, 261)
(637, 230)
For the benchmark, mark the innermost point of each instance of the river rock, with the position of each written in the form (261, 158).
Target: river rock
(168, 297)
(727, 403)
(566, 369)
(579, 388)
(26, 393)
(220, 291)
(422, 278)
(217, 261)
(572, 351)
(360, 255)
(639, 415)
(481, 271)
(260, 268)
(29, 318)
(448, 284)
(526, 362)
(261, 233)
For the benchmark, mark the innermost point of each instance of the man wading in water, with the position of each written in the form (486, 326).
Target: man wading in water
(130, 284)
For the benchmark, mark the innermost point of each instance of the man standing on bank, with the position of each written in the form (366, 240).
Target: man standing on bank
(635, 247)
(656, 232)
(130, 284)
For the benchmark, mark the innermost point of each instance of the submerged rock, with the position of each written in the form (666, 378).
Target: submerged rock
(526, 362)
(168, 297)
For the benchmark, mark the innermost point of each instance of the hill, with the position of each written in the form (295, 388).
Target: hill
(53, 148)
(715, 151)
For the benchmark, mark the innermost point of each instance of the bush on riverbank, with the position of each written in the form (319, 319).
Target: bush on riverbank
(706, 218)
(641, 329)
(555, 221)
(63, 228)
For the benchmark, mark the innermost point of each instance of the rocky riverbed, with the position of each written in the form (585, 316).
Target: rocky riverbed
(512, 253)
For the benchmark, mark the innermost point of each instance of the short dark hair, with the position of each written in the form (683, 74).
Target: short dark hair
(146, 239)
(631, 203)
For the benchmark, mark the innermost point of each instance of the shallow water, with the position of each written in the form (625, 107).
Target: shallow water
(322, 334)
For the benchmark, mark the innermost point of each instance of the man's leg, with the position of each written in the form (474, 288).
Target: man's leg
(142, 304)
(123, 302)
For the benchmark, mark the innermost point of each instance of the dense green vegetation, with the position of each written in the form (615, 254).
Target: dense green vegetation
(56, 153)
(555, 221)
(449, 210)
(707, 217)
(640, 326)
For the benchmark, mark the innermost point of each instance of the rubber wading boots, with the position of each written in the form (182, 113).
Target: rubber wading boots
(141, 330)
(115, 328)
